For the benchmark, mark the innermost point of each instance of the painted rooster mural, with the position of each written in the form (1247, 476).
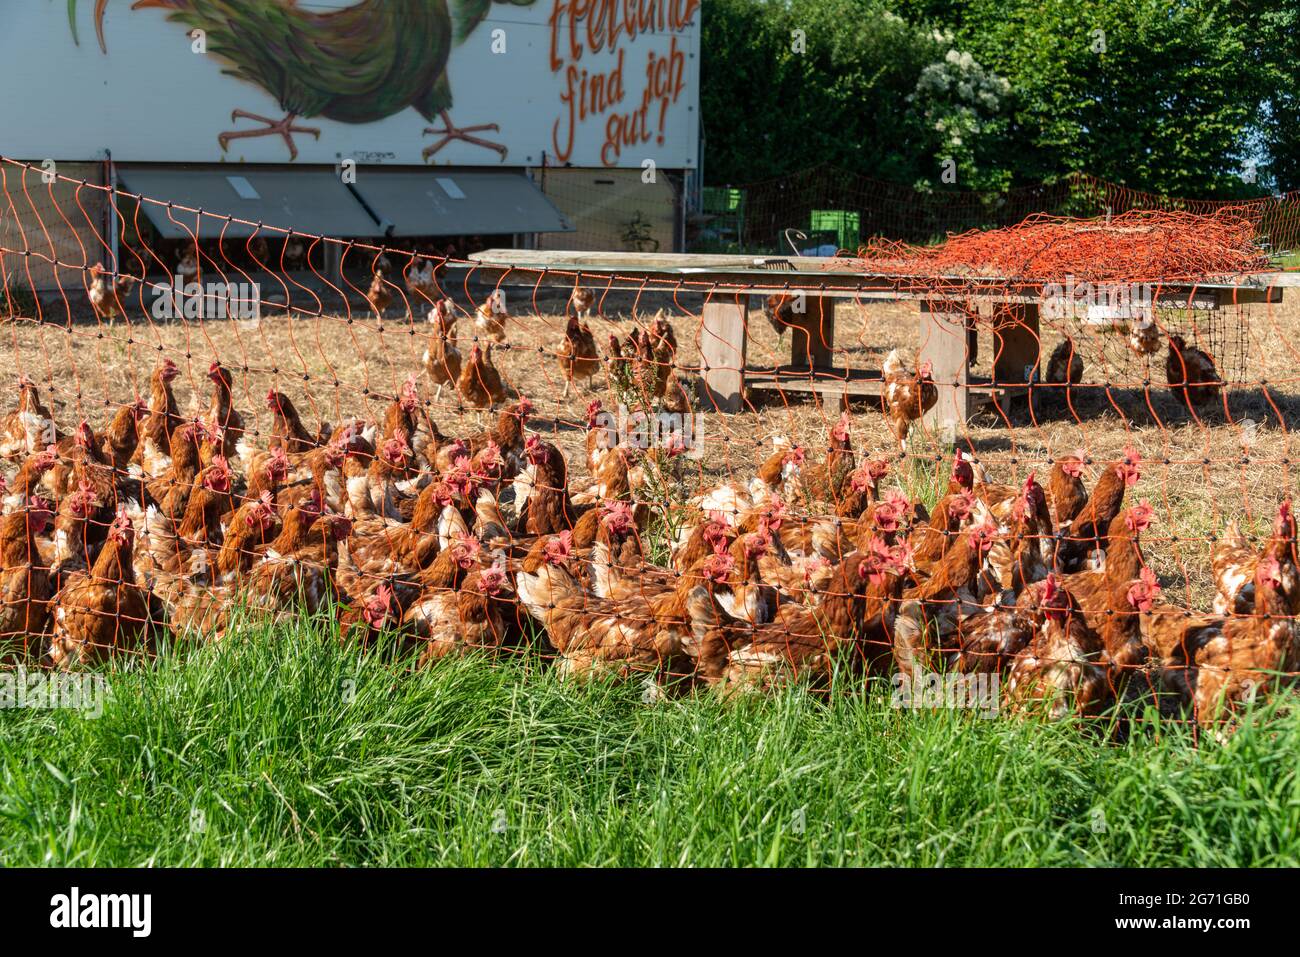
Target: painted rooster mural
(355, 64)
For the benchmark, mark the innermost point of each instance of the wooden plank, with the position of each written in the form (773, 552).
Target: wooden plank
(812, 335)
(866, 382)
(1241, 295)
(860, 382)
(944, 345)
(782, 269)
(754, 280)
(566, 259)
(723, 350)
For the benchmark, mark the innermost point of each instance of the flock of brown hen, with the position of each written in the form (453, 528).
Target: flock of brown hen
(434, 545)
(646, 358)
(1190, 372)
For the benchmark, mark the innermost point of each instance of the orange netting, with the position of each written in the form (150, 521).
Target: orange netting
(1140, 245)
(1080, 505)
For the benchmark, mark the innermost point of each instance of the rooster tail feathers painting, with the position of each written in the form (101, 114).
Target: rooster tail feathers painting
(353, 64)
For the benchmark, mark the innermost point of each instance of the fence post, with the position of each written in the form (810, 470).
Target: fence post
(723, 352)
(944, 345)
(1015, 342)
(813, 334)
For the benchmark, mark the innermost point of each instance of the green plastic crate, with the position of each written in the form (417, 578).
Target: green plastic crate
(844, 223)
(723, 199)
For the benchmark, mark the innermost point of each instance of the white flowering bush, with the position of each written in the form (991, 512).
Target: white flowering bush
(964, 105)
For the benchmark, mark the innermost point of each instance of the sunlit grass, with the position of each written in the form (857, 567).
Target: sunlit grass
(285, 749)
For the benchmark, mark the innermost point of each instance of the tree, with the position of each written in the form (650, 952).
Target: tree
(1161, 96)
(1182, 97)
(1278, 39)
(787, 85)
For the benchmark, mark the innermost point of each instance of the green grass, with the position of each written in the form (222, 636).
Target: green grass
(287, 750)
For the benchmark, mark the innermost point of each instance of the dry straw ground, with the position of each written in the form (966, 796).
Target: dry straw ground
(1198, 472)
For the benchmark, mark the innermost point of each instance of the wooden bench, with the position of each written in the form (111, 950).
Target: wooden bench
(946, 317)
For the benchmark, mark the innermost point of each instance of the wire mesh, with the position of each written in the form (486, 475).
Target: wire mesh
(839, 209)
(450, 457)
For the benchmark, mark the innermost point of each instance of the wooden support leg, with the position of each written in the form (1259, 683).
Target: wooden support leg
(334, 263)
(812, 341)
(723, 352)
(1015, 343)
(944, 346)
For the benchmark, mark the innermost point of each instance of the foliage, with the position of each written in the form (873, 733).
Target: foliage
(1174, 98)
(279, 748)
(845, 82)
(1278, 39)
(1155, 95)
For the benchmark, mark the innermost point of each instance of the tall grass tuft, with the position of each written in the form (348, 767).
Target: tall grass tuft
(279, 747)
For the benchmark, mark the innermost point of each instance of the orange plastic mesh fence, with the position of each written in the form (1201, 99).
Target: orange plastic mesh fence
(1050, 463)
(1137, 246)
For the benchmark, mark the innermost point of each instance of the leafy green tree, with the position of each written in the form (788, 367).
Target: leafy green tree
(1186, 97)
(1158, 95)
(1278, 40)
(963, 106)
(1145, 92)
(851, 83)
